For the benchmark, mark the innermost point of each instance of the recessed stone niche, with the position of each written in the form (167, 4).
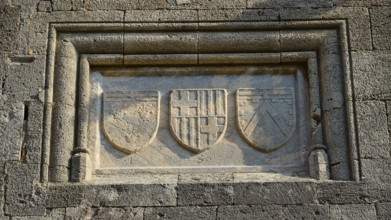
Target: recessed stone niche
(175, 98)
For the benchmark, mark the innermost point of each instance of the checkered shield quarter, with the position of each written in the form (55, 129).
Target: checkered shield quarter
(198, 117)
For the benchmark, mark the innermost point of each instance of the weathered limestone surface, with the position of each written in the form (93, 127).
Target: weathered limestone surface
(24, 64)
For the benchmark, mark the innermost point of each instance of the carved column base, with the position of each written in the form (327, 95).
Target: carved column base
(81, 167)
(319, 163)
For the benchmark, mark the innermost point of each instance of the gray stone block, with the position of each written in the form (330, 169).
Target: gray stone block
(61, 196)
(33, 137)
(30, 218)
(371, 74)
(205, 194)
(361, 3)
(340, 193)
(388, 107)
(82, 211)
(353, 211)
(132, 195)
(249, 212)
(62, 5)
(190, 212)
(288, 4)
(119, 213)
(24, 197)
(9, 28)
(274, 193)
(306, 212)
(273, 212)
(381, 27)
(2, 193)
(161, 15)
(25, 80)
(123, 5)
(56, 214)
(377, 193)
(44, 6)
(206, 4)
(112, 195)
(376, 170)
(238, 15)
(383, 211)
(11, 130)
(373, 130)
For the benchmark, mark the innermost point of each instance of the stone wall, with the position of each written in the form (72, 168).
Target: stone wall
(26, 192)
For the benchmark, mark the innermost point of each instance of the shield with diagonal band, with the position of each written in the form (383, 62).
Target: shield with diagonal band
(198, 117)
(130, 118)
(266, 117)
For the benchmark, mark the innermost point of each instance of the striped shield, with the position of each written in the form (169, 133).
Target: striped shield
(266, 117)
(130, 118)
(198, 117)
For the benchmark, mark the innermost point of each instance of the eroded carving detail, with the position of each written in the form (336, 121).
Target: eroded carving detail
(266, 117)
(198, 117)
(130, 118)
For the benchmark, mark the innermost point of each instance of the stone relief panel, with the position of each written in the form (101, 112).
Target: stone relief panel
(205, 120)
(88, 61)
(266, 117)
(198, 117)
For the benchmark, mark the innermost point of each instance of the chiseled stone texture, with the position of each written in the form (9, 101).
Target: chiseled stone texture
(190, 212)
(205, 194)
(24, 195)
(9, 27)
(383, 211)
(353, 211)
(373, 130)
(288, 3)
(239, 15)
(112, 195)
(205, 4)
(161, 15)
(11, 129)
(371, 74)
(273, 212)
(381, 27)
(274, 193)
(25, 79)
(361, 3)
(376, 170)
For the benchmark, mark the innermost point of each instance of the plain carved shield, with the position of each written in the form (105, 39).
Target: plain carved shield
(198, 117)
(130, 118)
(266, 117)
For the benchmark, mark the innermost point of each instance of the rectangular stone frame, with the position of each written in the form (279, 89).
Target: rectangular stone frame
(73, 47)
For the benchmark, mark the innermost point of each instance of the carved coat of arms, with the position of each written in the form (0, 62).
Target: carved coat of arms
(266, 117)
(130, 118)
(198, 117)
